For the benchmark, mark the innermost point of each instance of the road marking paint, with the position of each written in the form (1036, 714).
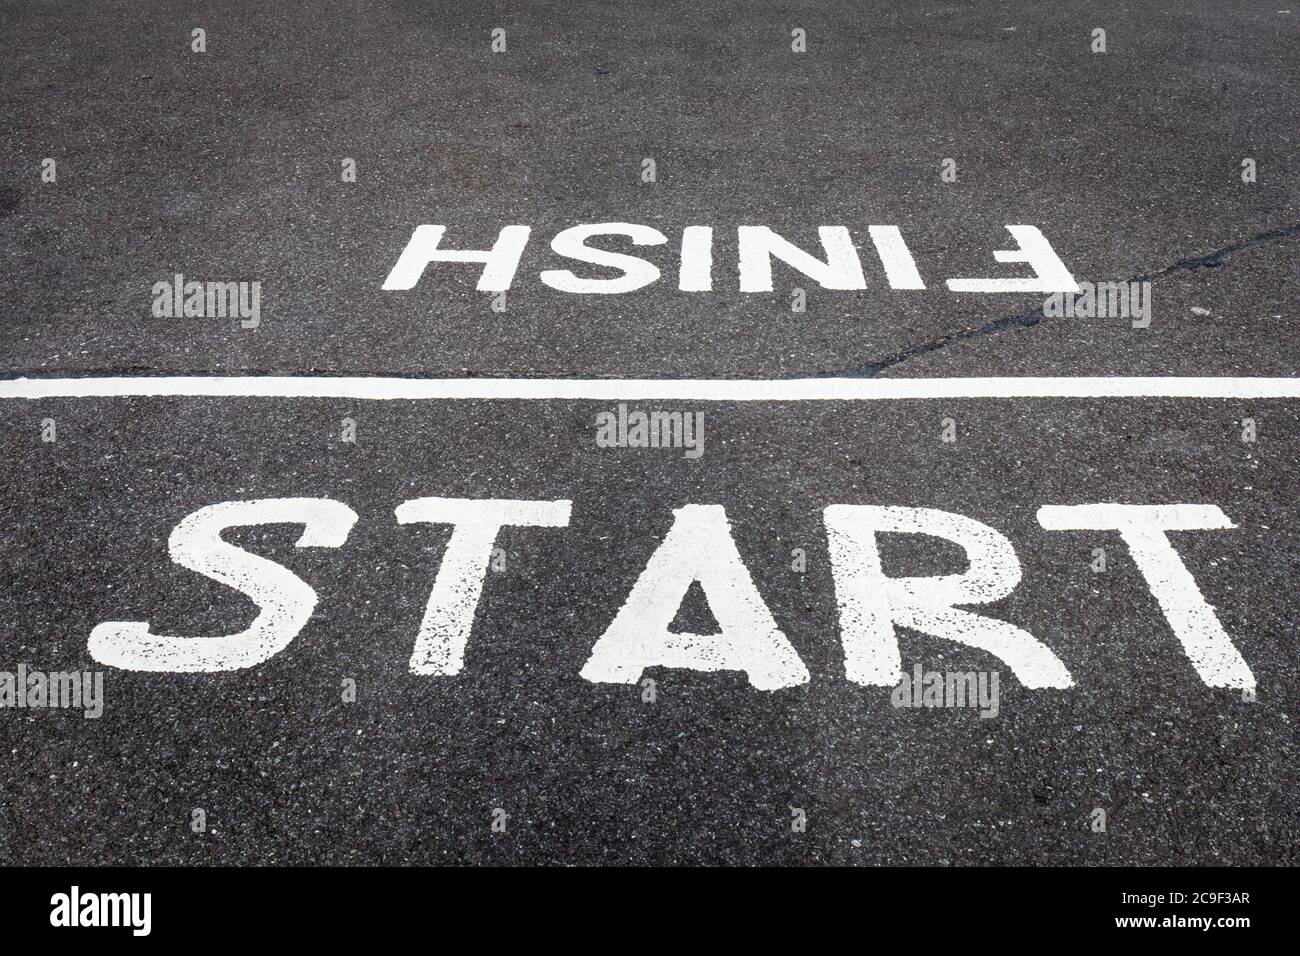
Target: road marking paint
(1143, 527)
(872, 603)
(285, 601)
(698, 547)
(757, 247)
(630, 389)
(449, 614)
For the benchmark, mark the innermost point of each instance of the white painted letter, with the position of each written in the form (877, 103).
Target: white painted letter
(758, 244)
(501, 260)
(1050, 273)
(900, 267)
(696, 274)
(449, 615)
(571, 243)
(871, 603)
(698, 547)
(285, 600)
(1142, 528)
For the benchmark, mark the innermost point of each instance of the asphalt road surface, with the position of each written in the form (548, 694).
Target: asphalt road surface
(231, 164)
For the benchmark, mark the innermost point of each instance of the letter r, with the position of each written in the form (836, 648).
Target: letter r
(871, 604)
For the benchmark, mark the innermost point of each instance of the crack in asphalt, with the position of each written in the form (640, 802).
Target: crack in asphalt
(1025, 320)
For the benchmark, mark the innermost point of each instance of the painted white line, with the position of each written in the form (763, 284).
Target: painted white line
(626, 389)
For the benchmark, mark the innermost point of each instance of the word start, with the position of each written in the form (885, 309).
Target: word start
(698, 547)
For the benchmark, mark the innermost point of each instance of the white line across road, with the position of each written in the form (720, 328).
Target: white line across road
(622, 389)
(630, 389)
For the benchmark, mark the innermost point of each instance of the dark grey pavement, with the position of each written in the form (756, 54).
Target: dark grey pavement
(226, 165)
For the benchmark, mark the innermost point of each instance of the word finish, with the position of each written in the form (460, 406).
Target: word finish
(839, 266)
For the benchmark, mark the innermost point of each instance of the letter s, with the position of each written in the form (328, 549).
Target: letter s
(572, 244)
(285, 601)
